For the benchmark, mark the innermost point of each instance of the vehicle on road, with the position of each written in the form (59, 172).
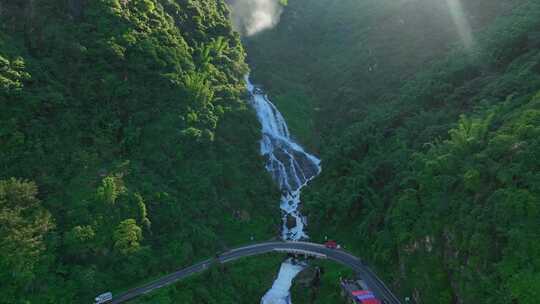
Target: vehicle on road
(365, 297)
(331, 244)
(372, 282)
(103, 298)
(358, 292)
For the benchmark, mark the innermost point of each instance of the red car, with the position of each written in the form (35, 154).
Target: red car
(331, 244)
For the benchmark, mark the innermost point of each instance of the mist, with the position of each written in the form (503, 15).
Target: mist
(253, 16)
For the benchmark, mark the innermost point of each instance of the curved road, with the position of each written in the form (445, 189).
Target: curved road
(368, 276)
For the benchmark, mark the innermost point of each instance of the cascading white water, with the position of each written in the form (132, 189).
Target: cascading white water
(292, 168)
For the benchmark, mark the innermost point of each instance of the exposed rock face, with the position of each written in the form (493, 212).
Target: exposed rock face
(308, 277)
(298, 167)
(291, 222)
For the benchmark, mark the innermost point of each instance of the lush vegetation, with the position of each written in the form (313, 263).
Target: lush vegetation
(307, 289)
(244, 282)
(429, 139)
(126, 147)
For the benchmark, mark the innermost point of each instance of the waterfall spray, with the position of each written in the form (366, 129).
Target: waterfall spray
(252, 16)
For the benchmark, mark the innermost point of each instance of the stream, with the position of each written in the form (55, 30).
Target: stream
(291, 168)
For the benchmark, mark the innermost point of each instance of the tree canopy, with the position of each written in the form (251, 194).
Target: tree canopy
(428, 145)
(126, 145)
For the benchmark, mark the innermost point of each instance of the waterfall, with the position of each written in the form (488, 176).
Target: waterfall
(291, 168)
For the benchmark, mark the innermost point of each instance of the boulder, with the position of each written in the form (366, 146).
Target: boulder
(291, 221)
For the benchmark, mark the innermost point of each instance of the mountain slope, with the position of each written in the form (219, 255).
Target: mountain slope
(126, 122)
(407, 183)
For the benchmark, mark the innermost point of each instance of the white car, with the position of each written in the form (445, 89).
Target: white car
(104, 298)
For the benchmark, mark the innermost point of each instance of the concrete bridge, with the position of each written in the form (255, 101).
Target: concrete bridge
(300, 248)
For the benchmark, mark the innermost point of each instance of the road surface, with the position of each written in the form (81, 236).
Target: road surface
(317, 250)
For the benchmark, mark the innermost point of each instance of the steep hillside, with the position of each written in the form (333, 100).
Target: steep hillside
(126, 148)
(340, 56)
(424, 114)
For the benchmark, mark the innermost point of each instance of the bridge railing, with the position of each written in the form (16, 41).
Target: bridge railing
(302, 252)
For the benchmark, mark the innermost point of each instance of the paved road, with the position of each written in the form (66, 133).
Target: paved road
(374, 283)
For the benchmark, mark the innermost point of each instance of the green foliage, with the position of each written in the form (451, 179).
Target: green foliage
(79, 241)
(12, 74)
(130, 117)
(24, 225)
(108, 192)
(227, 283)
(127, 237)
(484, 228)
(428, 144)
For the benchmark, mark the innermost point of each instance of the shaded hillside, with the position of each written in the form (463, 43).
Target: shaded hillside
(347, 54)
(126, 147)
(428, 146)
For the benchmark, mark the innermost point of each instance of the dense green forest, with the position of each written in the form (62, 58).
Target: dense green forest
(127, 150)
(426, 116)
